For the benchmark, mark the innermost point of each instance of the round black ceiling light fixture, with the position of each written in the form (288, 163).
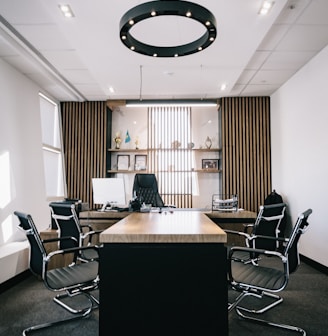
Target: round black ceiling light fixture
(153, 9)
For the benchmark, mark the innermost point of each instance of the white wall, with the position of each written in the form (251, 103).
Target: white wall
(21, 162)
(299, 115)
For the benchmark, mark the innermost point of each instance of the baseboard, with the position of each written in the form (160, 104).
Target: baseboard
(14, 281)
(319, 267)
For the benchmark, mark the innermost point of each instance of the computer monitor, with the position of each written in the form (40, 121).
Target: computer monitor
(109, 192)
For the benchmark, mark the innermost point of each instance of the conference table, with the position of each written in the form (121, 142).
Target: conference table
(163, 274)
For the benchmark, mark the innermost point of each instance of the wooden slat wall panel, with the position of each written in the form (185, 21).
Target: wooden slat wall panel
(246, 149)
(84, 137)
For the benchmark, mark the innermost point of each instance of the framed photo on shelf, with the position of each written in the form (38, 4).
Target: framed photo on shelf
(210, 163)
(123, 162)
(140, 162)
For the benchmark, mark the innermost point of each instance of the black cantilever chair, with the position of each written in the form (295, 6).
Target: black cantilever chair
(68, 224)
(268, 277)
(145, 187)
(73, 280)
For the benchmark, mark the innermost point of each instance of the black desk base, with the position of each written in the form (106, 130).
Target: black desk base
(163, 289)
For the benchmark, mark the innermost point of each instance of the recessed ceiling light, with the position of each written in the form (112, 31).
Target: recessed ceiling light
(223, 86)
(266, 7)
(111, 89)
(66, 11)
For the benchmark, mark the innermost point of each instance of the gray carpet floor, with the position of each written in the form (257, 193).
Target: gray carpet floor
(305, 305)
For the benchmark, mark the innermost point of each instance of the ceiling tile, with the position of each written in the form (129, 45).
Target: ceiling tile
(287, 60)
(271, 77)
(305, 38)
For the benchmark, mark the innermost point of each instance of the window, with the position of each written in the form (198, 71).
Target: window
(170, 154)
(52, 148)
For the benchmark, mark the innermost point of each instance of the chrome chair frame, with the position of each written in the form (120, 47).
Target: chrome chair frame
(260, 281)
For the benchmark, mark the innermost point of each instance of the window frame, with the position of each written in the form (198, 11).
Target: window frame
(61, 189)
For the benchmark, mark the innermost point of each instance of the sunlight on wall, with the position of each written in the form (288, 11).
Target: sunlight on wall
(7, 229)
(5, 192)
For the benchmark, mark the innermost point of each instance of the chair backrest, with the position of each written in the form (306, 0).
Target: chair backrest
(146, 189)
(275, 198)
(291, 248)
(267, 224)
(37, 250)
(67, 221)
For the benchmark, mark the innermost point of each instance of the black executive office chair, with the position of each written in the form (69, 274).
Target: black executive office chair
(268, 276)
(145, 188)
(68, 224)
(73, 280)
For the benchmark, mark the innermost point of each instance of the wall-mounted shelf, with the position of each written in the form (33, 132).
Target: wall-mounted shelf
(121, 171)
(203, 171)
(127, 150)
(207, 171)
(132, 150)
(146, 151)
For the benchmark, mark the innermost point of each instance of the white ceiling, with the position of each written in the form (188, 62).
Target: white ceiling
(80, 58)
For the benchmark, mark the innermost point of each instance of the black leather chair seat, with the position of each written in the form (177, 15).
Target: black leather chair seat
(69, 276)
(264, 277)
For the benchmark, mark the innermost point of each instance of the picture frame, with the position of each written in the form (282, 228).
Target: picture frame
(123, 162)
(210, 164)
(140, 162)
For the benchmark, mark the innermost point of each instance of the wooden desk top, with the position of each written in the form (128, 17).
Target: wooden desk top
(94, 214)
(166, 227)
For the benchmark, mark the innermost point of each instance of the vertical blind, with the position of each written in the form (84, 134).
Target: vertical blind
(246, 149)
(169, 132)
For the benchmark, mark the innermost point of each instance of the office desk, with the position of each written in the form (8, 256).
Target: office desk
(241, 216)
(163, 274)
(101, 219)
(107, 218)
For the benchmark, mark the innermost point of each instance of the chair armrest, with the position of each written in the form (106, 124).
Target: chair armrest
(282, 239)
(51, 240)
(71, 250)
(247, 227)
(90, 233)
(239, 233)
(88, 226)
(255, 251)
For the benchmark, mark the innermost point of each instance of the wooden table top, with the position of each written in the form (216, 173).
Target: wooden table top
(165, 227)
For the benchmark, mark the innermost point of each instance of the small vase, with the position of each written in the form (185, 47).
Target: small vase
(208, 143)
